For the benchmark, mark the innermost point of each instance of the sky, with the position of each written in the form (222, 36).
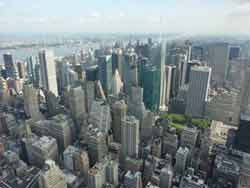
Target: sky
(133, 16)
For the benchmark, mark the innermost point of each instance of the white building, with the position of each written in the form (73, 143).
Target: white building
(130, 136)
(198, 89)
(48, 71)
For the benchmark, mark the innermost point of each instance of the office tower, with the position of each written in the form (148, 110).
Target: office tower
(10, 66)
(189, 66)
(52, 176)
(245, 91)
(168, 84)
(162, 103)
(243, 133)
(100, 116)
(117, 60)
(132, 180)
(97, 146)
(37, 76)
(197, 53)
(21, 69)
(218, 56)
(76, 160)
(156, 147)
(100, 94)
(119, 111)
(90, 93)
(112, 173)
(31, 105)
(52, 103)
(117, 84)
(40, 149)
(189, 137)
(97, 176)
(92, 73)
(151, 86)
(105, 72)
(79, 71)
(60, 127)
(198, 91)
(130, 136)
(234, 52)
(48, 71)
(65, 75)
(170, 142)
(136, 105)
(227, 171)
(31, 63)
(181, 159)
(146, 126)
(130, 76)
(166, 177)
(77, 102)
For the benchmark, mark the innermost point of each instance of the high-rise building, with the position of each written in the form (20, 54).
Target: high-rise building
(166, 177)
(130, 72)
(132, 180)
(117, 60)
(21, 69)
(40, 149)
(189, 137)
(181, 159)
(10, 66)
(97, 145)
(198, 89)
(218, 57)
(97, 175)
(31, 106)
(92, 73)
(168, 84)
(31, 63)
(130, 136)
(48, 71)
(100, 116)
(105, 72)
(136, 105)
(76, 160)
(234, 52)
(117, 84)
(52, 176)
(89, 93)
(119, 111)
(60, 127)
(151, 86)
(112, 173)
(77, 102)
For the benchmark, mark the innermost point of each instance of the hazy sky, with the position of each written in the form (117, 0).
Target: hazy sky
(182, 16)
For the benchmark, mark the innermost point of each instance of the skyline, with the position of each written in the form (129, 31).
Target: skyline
(189, 17)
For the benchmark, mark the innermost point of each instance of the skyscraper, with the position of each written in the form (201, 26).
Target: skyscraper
(181, 160)
(168, 84)
(48, 71)
(31, 106)
(77, 102)
(130, 136)
(151, 85)
(105, 72)
(10, 66)
(118, 110)
(117, 84)
(218, 56)
(198, 90)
